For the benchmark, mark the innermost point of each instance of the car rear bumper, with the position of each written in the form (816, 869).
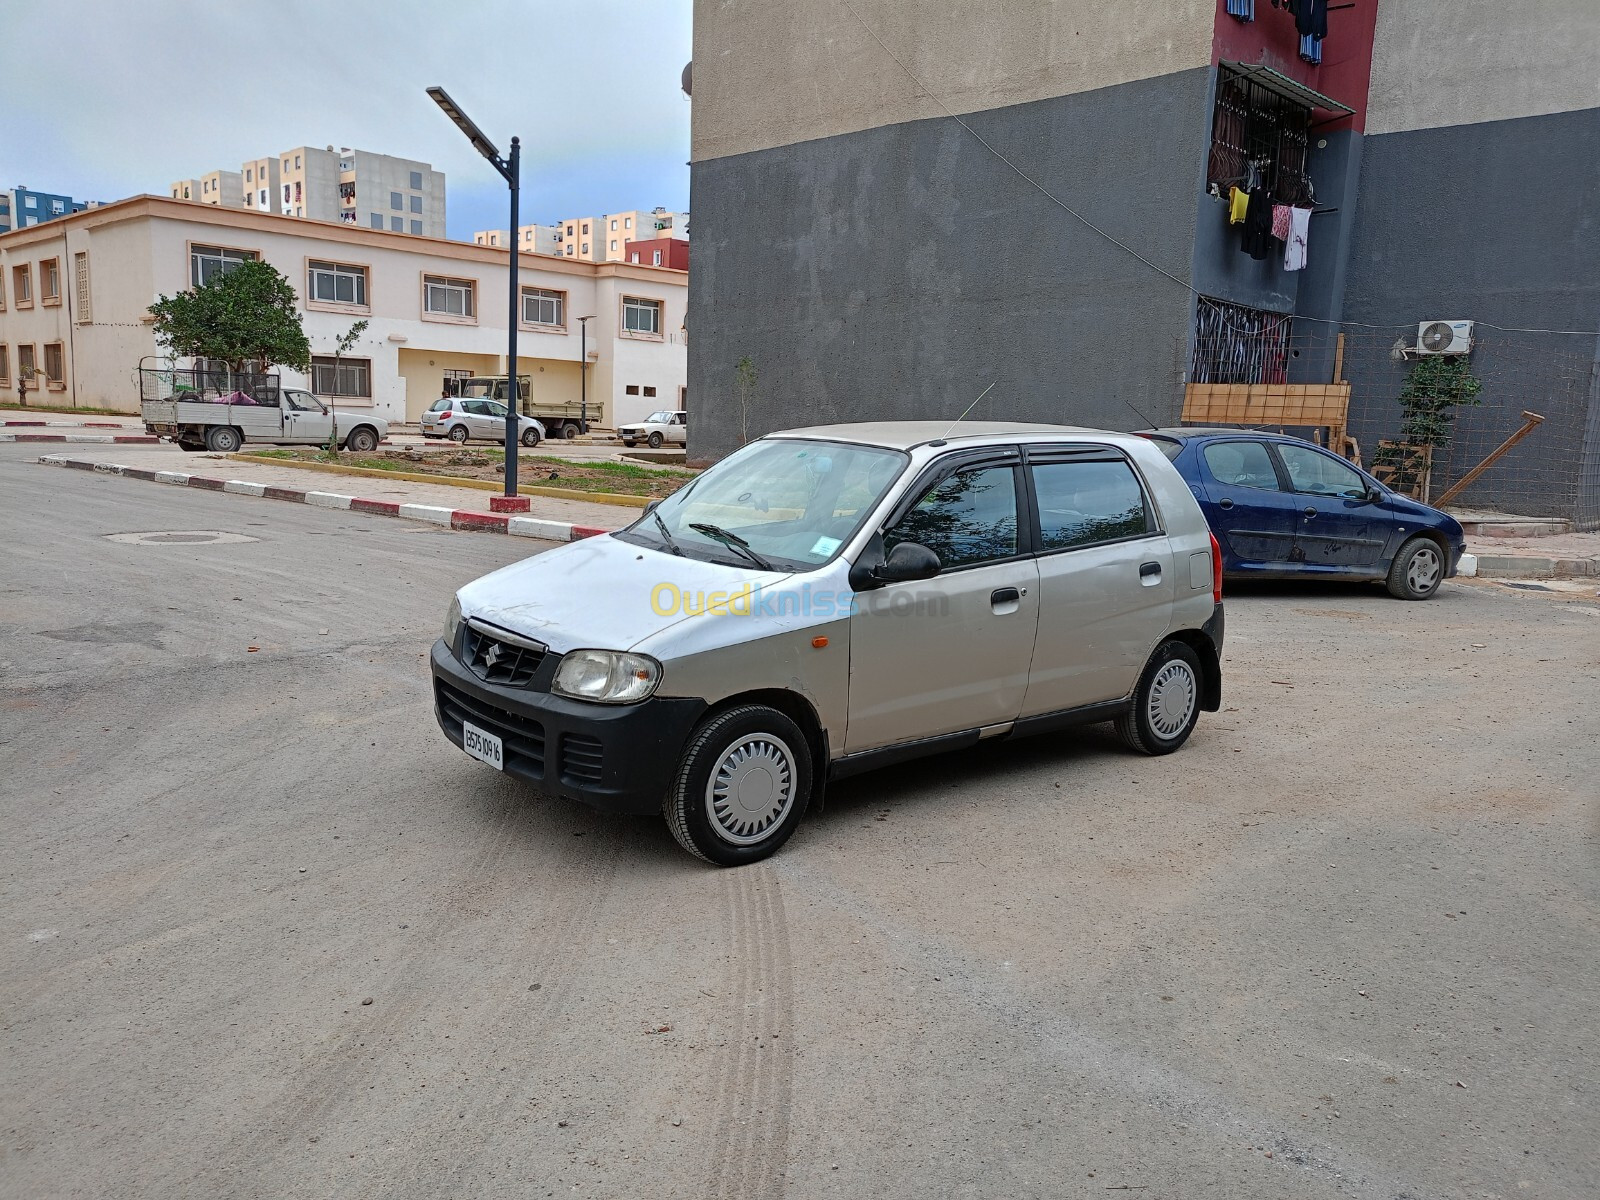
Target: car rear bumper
(617, 758)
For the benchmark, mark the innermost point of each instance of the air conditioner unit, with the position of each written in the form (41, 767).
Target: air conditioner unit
(1444, 337)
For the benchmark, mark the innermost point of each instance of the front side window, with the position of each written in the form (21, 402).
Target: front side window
(540, 306)
(1241, 464)
(1082, 503)
(967, 518)
(641, 316)
(1319, 474)
(447, 297)
(344, 377)
(336, 283)
(207, 262)
(794, 501)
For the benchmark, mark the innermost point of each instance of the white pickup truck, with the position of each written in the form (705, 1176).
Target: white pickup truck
(199, 415)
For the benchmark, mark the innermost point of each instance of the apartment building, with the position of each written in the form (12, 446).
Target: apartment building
(355, 187)
(658, 252)
(21, 207)
(879, 258)
(532, 239)
(604, 238)
(74, 301)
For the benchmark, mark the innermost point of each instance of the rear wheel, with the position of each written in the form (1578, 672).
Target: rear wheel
(223, 439)
(458, 433)
(742, 786)
(1166, 704)
(1417, 571)
(569, 430)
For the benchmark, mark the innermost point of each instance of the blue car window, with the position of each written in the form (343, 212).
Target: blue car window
(1319, 474)
(1241, 464)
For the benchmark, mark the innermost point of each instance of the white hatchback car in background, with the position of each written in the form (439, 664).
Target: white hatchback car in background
(659, 428)
(830, 600)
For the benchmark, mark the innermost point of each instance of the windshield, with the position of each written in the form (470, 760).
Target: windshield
(659, 418)
(795, 502)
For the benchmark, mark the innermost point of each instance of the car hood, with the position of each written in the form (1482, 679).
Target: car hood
(601, 593)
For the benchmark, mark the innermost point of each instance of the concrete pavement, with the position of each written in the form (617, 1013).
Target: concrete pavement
(1344, 944)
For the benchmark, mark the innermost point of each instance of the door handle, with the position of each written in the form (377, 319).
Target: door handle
(1005, 595)
(1148, 569)
(1224, 503)
(1311, 512)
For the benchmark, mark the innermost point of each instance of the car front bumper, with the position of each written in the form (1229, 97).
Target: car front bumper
(614, 757)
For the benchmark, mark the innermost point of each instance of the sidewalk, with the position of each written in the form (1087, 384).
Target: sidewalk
(1574, 555)
(387, 492)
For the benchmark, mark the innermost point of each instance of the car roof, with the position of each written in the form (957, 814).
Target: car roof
(1182, 432)
(904, 435)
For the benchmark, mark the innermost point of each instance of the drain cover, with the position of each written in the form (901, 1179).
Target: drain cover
(181, 537)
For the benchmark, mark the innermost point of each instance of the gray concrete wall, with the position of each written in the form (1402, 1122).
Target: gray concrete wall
(883, 274)
(1497, 222)
(771, 72)
(1455, 62)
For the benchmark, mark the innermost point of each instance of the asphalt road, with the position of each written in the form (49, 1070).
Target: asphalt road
(1344, 944)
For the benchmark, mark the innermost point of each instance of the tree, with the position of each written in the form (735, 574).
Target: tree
(247, 314)
(745, 380)
(341, 347)
(1436, 385)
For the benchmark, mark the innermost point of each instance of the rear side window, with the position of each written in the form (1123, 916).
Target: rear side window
(1241, 464)
(1082, 503)
(969, 518)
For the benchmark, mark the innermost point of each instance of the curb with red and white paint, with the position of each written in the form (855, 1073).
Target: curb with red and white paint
(71, 424)
(450, 518)
(99, 439)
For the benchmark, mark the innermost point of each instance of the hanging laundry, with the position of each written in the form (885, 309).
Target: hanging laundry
(1311, 18)
(1311, 49)
(1294, 250)
(1245, 10)
(1257, 241)
(1280, 222)
(1238, 206)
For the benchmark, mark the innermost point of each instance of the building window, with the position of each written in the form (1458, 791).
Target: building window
(263, 195)
(25, 366)
(416, 228)
(55, 364)
(613, 245)
(22, 285)
(633, 256)
(586, 247)
(569, 230)
(1254, 131)
(296, 162)
(336, 283)
(80, 285)
(396, 201)
(657, 256)
(298, 211)
(632, 389)
(448, 297)
(248, 177)
(344, 377)
(641, 316)
(2, 291)
(613, 224)
(540, 306)
(397, 224)
(50, 280)
(649, 391)
(627, 222)
(5, 365)
(377, 220)
(207, 262)
(416, 182)
(1235, 344)
(416, 204)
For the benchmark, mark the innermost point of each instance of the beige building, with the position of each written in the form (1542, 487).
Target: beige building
(605, 238)
(74, 295)
(533, 239)
(355, 187)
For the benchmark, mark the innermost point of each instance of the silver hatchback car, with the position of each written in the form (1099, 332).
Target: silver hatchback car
(482, 420)
(830, 600)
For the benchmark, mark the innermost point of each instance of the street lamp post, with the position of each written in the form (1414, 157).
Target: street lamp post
(510, 169)
(583, 372)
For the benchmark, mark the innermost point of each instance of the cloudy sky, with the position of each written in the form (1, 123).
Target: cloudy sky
(107, 98)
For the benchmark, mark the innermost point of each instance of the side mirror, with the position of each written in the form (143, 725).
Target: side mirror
(907, 561)
(651, 507)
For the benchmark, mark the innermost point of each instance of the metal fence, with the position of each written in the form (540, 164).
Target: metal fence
(210, 384)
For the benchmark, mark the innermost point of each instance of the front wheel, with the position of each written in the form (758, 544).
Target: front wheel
(362, 440)
(457, 434)
(742, 786)
(1417, 571)
(655, 440)
(223, 439)
(1166, 704)
(530, 437)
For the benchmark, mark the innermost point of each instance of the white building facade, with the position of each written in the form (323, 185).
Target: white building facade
(76, 295)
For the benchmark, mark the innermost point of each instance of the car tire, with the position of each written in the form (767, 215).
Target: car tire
(1417, 571)
(655, 440)
(530, 438)
(629, 444)
(1166, 703)
(753, 753)
(223, 439)
(569, 430)
(363, 439)
(457, 434)
(190, 447)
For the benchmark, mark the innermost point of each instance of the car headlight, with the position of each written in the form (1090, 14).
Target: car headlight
(606, 676)
(452, 622)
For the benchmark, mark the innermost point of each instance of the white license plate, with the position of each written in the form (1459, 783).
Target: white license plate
(482, 745)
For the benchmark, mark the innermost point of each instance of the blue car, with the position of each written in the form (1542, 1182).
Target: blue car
(1284, 508)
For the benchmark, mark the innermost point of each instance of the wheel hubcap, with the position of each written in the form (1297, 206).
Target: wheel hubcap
(1172, 697)
(751, 789)
(1423, 573)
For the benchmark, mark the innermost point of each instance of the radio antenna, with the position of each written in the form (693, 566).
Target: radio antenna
(969, 408)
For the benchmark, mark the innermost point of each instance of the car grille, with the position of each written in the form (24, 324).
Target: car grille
(582, 759)
(521, 737)
(495, 660)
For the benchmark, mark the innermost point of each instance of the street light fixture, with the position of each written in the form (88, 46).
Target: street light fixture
(510, 169)
(583, 372)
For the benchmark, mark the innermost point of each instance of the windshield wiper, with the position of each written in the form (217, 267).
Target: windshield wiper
(666, 536)
(731, 539)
